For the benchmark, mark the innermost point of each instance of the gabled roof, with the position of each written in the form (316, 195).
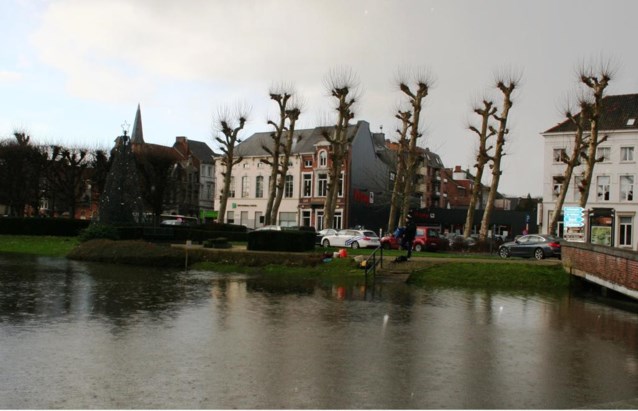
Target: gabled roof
(201, 151)
(617, 111)
(158, 150)
(254, 145)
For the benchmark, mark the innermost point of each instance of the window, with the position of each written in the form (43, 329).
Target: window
(244, 187)
(337, 219)
(626, 188)
(322, 185)
(625, 231)
(319, 220)
(231, 189)
(602, 191)
(246, 165)
(288, 186)
(260, 164)
(626, 154)
(287, 219)
(559, 154)
(340, 187)
(578, 180)
(603, 154)
(307, 185)
(230, 217)
(557, 185)
(323, 159)
(305, 218)
(259, 187)
(307, 162)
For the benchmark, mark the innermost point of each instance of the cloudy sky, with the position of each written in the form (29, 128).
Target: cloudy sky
(73, 71)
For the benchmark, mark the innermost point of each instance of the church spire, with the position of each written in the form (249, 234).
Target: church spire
(137, 135)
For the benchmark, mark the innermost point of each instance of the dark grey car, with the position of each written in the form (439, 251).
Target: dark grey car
(538, 246)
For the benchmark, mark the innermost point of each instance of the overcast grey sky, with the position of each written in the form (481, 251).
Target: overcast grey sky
(72, 71)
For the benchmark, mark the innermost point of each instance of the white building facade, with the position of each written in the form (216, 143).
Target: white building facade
(612, 207)
(249, 192)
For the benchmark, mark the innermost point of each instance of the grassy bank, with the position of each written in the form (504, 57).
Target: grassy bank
(492, 275)
(38, 245)
(503, 276)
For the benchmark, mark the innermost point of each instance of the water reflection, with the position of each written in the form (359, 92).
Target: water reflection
(77, 335)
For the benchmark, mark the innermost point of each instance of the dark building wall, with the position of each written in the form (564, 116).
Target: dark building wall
(369, 181)
(446, 219)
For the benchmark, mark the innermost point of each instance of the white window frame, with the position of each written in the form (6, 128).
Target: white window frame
(558, 154)
(245, 187)
(626, 190)
(603, 188)
(306, 183)
(627, 154)
(322, 185)
(259, 187)
(577, 181)
(605, 153)
(323, 158)
(625, 230)
(288, 186)
(557, 185)
(231, 188)
(337, 220)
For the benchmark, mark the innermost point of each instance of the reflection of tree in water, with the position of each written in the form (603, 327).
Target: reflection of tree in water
(119, 293)
(36, 289)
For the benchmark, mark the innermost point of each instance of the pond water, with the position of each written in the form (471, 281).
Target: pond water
(78, 335)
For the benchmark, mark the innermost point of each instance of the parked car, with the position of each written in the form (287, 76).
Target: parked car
(322, 233)
(351, 238)
(538, 246)
(427, 238)
(458, 241)
(269, 228)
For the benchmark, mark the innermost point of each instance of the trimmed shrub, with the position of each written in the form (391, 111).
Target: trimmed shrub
(220, 242)
(95, 231)
(61, 227)
(286, 240)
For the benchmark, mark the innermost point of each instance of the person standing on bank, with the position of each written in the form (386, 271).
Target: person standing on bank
(409, 234)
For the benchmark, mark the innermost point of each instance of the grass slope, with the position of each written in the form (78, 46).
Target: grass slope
(38, 245)
(492, 275)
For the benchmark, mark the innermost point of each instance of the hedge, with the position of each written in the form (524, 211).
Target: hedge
(286, 240)
(61, 227)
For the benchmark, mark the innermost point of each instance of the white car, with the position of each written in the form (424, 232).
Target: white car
(269, 228)
(352, 238)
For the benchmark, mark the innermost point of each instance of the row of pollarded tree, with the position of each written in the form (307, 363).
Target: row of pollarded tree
(592, 81)
(30, 173)
(67, 177)
(343, 87)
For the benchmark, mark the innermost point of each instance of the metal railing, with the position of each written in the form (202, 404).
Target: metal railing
(373, 260)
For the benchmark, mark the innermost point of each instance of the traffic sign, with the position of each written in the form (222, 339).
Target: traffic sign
(573, 216)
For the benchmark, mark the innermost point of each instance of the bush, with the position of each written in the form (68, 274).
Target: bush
(62, 227)
(95, 231)
(285, 240)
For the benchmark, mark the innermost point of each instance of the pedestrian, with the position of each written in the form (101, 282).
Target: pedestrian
(409, 234)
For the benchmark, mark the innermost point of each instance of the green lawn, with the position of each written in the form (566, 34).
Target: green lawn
(493, 276)
(39, 245)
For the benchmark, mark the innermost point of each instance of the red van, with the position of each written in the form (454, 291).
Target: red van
(427, 238)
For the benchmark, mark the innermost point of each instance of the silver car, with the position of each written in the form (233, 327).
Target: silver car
(352, 239)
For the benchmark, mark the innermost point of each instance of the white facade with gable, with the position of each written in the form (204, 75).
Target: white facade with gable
(614, 180)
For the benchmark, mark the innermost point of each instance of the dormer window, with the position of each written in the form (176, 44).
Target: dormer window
(323, 159)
